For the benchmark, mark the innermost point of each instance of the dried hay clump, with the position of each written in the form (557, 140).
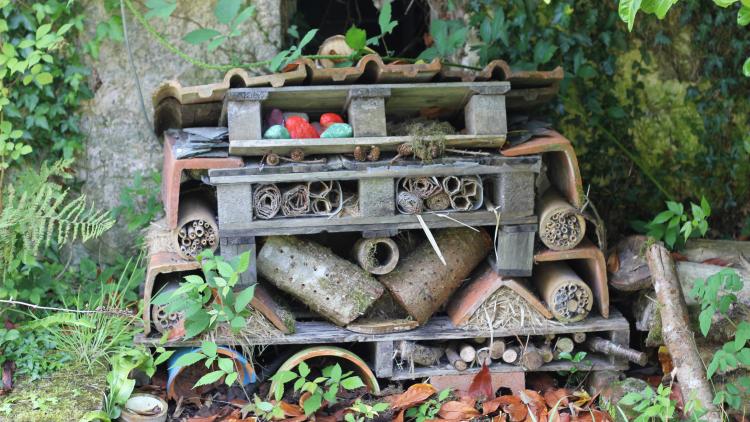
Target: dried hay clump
(257, 329)
(506, 309)
(428, 137)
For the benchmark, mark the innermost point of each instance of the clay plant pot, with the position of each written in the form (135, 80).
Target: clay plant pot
(142, 407)
(360, 367)
(180, 380)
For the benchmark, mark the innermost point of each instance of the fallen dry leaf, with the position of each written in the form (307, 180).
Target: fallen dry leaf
(291, 410)
(416, 394)
(457, 411)
(399, 417)
(591, 416)
(718, 261)
(481, 384)
(211, 418)
(512, 405)
(500, 418)
(554, 396)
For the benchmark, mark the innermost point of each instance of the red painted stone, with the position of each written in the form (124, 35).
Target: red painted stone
(327, 119)
(299, 128)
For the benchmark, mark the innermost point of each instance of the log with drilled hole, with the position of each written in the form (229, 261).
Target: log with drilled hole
(376, 255)
(422, 284)
(331, 286)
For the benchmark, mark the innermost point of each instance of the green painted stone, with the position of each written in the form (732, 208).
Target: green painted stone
(277, 132)
(338, 130)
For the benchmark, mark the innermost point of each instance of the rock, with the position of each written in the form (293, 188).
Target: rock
(276, 132)
(300, 128)
(327, 119)
(275, 117)
(120, 142)
(338, 130)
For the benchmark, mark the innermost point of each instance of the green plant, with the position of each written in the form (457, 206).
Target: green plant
(650, 406)
(208, 354)
(120, 385)
(448, 36)
(429, 409)
(263, 409)
(669, 224)
(323, 389)
(34, 353)
(717, 295)
(628, 9)
(361, 412)
(215, 290)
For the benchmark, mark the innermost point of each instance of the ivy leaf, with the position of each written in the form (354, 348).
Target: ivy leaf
(226, 10)
(627, 10)
(743, 16)
(200, 35)
(209, 378)
(244, 298)
(356, 38)
(384, 19)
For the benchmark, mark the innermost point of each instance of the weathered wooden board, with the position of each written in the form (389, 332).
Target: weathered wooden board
(438, 328)
(593, 363)
(260, 147)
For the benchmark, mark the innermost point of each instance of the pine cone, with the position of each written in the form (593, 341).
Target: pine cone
(405, 150)
(297, 155)
(374, 154)
(359, 153)
(272, 159)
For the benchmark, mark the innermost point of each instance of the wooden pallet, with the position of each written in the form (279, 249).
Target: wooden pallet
(482, 104)
(615, 328)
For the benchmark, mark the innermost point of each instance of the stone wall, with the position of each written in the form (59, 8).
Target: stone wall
(120, 141)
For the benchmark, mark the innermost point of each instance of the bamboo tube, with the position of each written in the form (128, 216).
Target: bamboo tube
(194, 207)
(497, 348)
(333, 287)
(422, 284)
(598, 344)
(561, 226)
(510, 355)
(467, 352)
(567, 296)
(376, 255)
(455, 359)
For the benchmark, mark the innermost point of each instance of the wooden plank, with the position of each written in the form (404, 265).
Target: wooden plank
(438, 328)
(260, 147)
(449, 98)
(462, 168)
(312, 225)
(382, 352)
(596, 363)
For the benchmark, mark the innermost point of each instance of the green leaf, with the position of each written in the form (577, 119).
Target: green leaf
(43, 30)
(283, 377)
(298, 384)
(209, 378)
(303, 369)
(384, 18)
(226, 365)
(209, 348)
(188, 359)
(746, 67)
(197, 324)
(225, 270)
(44, 78)
(725, 3)
(278, 60)
(312, 404)
(543, 52)
(356, 38)
(743, 356)
(705, 319)
(631, 399)
(443, 395)
(238, 323)
(662, 217)
(163, 357)
(628, 10)
(705, 206)
(352, 383)
(226, 10)
(244, 15)
(742, 335)
(676, 207)
(244, 298)
(200, 35)
(743, 16)
(305, 40)
(160, 8)
(231, 378)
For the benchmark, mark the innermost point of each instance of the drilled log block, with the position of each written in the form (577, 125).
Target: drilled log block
(513, 193)
(335, 288)
(421, 283)
(514, 253)
(485, 115)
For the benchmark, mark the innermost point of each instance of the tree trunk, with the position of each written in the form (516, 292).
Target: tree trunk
(676, 330)
(331, 286)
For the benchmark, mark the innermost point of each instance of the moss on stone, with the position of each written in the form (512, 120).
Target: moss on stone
(64, 396)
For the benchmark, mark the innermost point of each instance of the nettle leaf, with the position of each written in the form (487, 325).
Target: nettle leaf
(226, 10)
(627, 10)
(209, 378)
(356, 38)
(200, 35)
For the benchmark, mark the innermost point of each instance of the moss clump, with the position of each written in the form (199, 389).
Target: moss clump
(63, 396)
